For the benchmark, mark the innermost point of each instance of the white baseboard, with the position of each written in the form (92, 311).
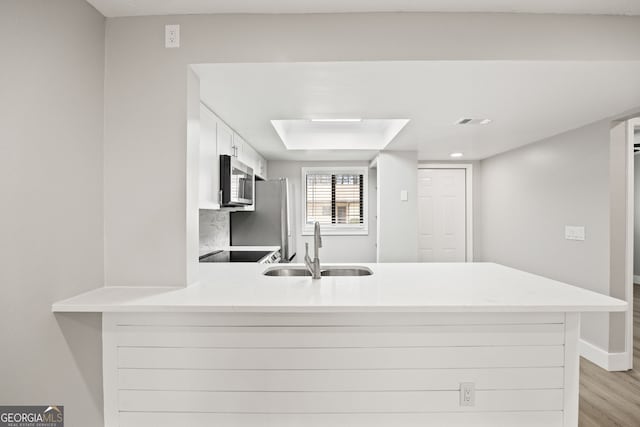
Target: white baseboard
(608, 361)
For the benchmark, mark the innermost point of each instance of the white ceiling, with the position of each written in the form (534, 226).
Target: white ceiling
(111, 8)
(527, 101)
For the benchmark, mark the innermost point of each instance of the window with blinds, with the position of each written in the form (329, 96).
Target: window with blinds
(336, 199)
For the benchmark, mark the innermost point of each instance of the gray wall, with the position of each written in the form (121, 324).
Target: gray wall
(146, 87)
(51, 222)
(335, 248)
(397, 220)
(530, 194)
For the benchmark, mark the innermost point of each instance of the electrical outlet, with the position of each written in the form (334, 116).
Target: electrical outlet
(171, 36)
(574, 232)
(467, 394)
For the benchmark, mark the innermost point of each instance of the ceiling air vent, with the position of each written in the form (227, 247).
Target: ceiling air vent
(468, 121)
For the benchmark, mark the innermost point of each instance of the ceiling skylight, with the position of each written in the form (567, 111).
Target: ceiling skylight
(338, 134)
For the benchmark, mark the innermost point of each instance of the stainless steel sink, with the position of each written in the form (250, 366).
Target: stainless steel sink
(328, 271)
(287, 272)
(347, 271)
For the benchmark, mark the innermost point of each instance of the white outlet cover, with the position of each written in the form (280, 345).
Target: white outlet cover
(467, 394)
(574, 232)
(404, 195)
(171, 36)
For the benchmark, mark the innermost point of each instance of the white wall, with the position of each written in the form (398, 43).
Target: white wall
(397, 220)
(146, 86)
(530, 194)
(51, 221)
(335, 248)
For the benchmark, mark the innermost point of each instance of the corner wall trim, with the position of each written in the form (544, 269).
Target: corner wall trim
(609, 361)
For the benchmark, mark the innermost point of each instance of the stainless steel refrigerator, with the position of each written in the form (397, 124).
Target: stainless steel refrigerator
(271, 224)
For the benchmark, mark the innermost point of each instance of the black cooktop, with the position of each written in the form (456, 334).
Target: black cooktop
(234, 256)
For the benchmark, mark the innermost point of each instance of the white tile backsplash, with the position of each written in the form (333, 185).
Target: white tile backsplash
(214, 230)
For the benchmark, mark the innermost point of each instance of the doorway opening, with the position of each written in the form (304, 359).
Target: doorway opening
(623, 229)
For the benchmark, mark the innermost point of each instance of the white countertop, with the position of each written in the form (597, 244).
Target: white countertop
(397, 287)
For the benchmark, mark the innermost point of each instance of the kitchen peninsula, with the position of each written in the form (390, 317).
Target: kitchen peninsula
(410, 345)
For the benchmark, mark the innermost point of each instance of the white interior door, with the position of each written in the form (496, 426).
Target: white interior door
(442, 215)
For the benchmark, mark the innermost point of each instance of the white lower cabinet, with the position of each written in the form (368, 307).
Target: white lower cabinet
(340, 369)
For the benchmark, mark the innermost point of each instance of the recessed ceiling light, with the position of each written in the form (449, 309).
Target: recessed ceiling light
(455, 154)
(336, 120)
(485, 121)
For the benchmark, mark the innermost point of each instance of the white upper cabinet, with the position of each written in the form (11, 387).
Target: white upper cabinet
(209, 175)
(248, 155)
(251, 157)
(262, 167)
(217, 138)
(239, 145)
(225, 138)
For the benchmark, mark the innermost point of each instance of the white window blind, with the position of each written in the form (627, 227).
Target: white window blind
(336, 199)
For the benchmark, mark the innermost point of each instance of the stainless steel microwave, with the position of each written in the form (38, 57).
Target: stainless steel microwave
(236, 182)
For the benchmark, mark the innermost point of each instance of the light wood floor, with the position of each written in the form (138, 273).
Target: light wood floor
(612, 398)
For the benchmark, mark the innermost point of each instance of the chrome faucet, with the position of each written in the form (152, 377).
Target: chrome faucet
(314, 266)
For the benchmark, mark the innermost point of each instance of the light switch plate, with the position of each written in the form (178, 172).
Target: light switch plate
(574, 232)
(171, 36)
(404, 195)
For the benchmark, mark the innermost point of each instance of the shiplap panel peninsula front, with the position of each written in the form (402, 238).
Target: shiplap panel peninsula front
(399, 347)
